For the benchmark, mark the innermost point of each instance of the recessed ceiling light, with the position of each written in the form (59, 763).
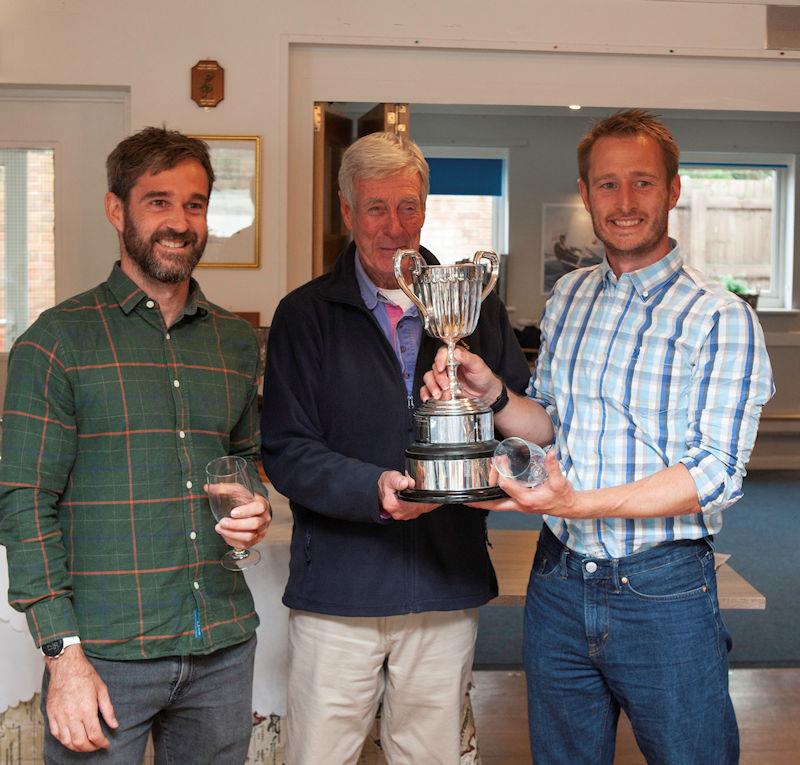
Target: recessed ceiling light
(574, 107)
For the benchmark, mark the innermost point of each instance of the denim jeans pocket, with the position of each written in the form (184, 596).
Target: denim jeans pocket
(545, 564)
(682, 579)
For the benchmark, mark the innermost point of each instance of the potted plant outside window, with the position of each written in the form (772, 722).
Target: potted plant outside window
(739, 287)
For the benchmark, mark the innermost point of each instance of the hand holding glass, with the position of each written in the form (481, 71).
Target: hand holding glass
(229, 486)
(521, 460)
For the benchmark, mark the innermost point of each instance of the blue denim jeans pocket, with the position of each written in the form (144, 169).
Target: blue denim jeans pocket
(678, 595)
(681, 579)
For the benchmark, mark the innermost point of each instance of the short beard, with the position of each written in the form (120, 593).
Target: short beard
(141, 251)
(659, 228)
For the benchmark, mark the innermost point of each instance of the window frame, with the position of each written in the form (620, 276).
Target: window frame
(779, 298)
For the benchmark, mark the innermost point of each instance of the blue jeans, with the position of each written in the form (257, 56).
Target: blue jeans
(199, 708)
(642, 633)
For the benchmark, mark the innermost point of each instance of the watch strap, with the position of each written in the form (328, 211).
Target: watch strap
(54, 648)
(501, 401)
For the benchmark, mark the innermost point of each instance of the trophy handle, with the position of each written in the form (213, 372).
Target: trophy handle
(416, 266)
(494, 269)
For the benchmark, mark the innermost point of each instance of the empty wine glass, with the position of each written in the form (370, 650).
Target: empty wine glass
(521, 460)
(229, 486)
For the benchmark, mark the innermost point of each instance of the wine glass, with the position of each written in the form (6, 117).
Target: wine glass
(229, 486)
(521, 460)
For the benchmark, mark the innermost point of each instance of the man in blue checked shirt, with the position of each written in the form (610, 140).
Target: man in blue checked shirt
(650, 383)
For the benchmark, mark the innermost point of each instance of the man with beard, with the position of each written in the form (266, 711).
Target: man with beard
(650, 380)
(116, 401)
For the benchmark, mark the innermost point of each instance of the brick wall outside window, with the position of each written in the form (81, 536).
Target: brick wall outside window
(456, 226)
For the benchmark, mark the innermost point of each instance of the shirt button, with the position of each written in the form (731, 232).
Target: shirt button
(196, 585)
(193, 535)
(624, 580)
(176, 383)
(618, 308)
(591, 567)
(181, 434)
(402, 349)
(149, 303)
(645, 293)
(166, 336)
(188, 484)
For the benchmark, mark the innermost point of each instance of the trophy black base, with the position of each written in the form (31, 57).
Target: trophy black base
(451, 473)
(452, 497)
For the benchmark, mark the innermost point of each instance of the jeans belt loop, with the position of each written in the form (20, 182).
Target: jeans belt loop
(564, 554)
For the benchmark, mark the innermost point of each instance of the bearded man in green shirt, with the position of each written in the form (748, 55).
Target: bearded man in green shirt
(116, 401)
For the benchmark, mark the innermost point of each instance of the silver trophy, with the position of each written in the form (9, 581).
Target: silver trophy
(451, 457)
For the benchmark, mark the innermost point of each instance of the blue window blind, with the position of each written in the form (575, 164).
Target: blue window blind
(450, 175)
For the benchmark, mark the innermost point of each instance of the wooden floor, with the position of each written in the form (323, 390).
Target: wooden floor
(767, 703)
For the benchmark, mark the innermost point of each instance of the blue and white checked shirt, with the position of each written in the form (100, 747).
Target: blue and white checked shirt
(655, 368)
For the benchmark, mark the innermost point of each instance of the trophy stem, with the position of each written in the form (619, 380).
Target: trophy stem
(452, 366)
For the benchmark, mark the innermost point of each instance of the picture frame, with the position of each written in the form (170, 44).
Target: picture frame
(234, 210)
(568, 242)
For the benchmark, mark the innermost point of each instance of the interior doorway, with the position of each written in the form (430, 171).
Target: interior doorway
(334, 131)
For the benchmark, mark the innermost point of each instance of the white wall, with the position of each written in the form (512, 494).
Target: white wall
(279, 57)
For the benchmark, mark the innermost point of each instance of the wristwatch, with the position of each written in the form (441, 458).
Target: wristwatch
(501, 401)
(55, 648)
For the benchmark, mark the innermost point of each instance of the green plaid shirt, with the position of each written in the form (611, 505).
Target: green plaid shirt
(109, 423)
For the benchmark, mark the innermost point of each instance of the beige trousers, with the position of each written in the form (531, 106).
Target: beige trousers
(340, 668)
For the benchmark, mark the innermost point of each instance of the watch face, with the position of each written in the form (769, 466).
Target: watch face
(53, 648)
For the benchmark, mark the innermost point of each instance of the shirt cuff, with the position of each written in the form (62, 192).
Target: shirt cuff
(716, 488)
(51, 619)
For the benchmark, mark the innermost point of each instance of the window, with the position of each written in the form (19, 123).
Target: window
(734, 219)
(27, 239)
(466, 207)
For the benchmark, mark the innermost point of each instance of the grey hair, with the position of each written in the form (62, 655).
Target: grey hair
(380, 155)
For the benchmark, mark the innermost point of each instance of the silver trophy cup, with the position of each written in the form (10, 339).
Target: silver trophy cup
(451, 457)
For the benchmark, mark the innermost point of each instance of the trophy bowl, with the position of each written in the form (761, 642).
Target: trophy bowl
(451, 457)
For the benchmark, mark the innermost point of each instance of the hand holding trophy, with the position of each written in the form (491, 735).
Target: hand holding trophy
(451, 458)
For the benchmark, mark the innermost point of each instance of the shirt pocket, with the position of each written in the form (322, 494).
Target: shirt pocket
(651, 386)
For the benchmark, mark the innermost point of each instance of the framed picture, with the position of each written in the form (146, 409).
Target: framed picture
(568, 242)
(234, 212)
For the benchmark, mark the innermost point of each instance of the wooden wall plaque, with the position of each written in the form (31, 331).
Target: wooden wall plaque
(208, 83)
